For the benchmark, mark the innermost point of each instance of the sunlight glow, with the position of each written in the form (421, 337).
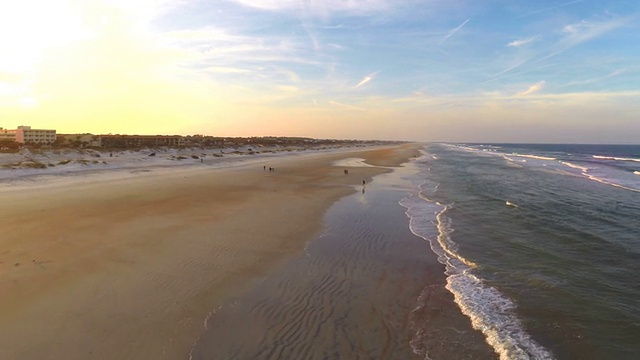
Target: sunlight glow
(30, 27)
(342, 69)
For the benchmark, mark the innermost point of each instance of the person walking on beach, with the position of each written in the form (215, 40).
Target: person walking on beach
(364, 183)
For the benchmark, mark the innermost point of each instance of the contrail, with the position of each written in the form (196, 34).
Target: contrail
(454, 31)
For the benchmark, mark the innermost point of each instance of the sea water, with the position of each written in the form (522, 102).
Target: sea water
(540, 244)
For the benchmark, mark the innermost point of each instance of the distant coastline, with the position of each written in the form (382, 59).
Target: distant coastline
(30, 161)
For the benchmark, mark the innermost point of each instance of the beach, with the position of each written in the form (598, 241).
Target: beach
(130, 265)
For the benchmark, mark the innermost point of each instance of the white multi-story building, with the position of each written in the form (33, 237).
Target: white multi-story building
(26, 135)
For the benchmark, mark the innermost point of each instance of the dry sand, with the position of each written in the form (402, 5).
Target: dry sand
(99, 267)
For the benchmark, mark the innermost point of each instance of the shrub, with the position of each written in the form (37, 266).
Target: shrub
(35, 165)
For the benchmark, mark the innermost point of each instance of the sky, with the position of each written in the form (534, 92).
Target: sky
(418, 70)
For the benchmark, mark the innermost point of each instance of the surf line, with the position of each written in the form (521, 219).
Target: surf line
(490, 311)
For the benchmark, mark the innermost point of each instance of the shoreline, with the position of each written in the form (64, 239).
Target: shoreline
(51, 163)
(130, 268)
(137, 163)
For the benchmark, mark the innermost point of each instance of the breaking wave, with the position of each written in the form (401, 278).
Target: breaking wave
(489, 310)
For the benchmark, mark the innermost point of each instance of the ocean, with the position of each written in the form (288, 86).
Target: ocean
(474, 251)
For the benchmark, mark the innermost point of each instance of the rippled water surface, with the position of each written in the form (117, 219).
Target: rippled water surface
(541, 244)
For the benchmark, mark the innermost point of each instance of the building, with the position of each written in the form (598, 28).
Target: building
(79, 140)
(140, 140)
(7, 135)
(27, 135)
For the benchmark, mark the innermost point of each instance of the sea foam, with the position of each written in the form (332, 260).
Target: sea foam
(490, 311)
(615, 158)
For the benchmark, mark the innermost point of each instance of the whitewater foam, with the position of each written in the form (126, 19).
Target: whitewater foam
(584, 171)
(615, 158)
(489, 310)
(534, 156)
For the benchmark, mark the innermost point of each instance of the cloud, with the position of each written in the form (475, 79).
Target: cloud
(584, 31)
(532, 89)
(288, 88)
(144, 10)
(204, 34)
(471, 101)
(521, 42)
(225, 70)
(322, 7)
(598, 79)
(572, 35)
(220, 49)
(551, 8)
(500, 75)
(366, 79)
(345, 106)
(450, 34)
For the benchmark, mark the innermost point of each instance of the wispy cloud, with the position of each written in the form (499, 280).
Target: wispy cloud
(452, 32)
(321, 7)
(532, 89)
(224, 51)
(584, 31)
(514, 66)
(535, 12)
(502, 75)
(366, 79)
(533, 93)
(224, 70)
(346, 106)
(572, 35)
(521, 42)
(206, 34)
(597, 79)
(288, 88)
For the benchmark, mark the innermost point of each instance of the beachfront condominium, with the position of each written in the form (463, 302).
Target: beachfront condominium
(27, 135)
(7, 135)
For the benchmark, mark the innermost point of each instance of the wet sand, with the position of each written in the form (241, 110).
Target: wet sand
(365, 288)
(100, 267)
